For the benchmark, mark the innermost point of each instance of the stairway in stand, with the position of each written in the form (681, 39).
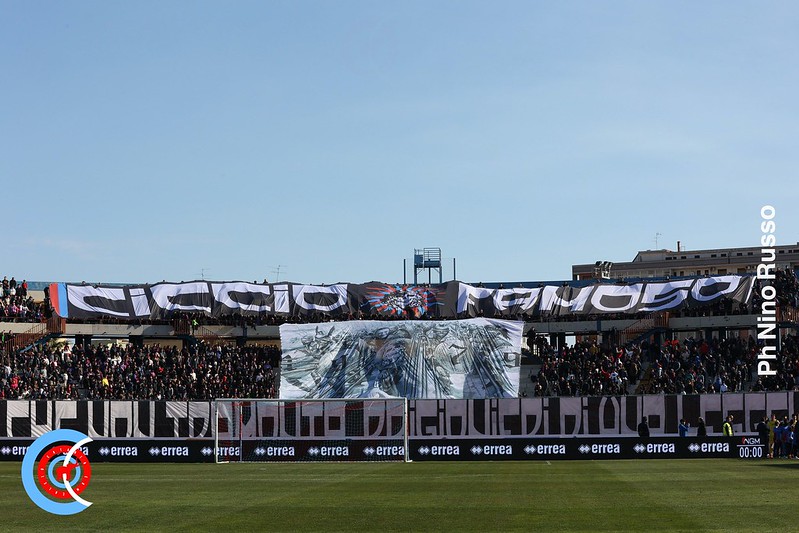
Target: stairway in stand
(37, 333)
(644, 327)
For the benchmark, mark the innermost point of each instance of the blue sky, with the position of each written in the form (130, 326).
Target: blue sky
(142, 141)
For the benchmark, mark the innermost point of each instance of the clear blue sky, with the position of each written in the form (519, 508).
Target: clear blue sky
(142, 141)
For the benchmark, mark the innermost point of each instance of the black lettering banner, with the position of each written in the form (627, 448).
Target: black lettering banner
(598, 416)
(103, 419)
(448, 300)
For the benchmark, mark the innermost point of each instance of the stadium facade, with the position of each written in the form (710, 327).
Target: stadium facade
(686, 263)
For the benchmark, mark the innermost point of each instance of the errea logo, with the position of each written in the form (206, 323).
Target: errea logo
(506, 449)
(709, 447)
(600, 448)
(549, 449)
(665, 447)
(439, 450)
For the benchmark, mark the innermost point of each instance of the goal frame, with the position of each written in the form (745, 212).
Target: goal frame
(238, 403)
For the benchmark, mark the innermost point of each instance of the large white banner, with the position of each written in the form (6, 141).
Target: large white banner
(475, 358)
(448, 300)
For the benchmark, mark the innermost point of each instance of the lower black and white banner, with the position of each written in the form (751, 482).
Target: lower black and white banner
(594, 415)
(449, 418)
(108, 419)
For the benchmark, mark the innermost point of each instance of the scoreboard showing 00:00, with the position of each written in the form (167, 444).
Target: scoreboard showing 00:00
(750, 448)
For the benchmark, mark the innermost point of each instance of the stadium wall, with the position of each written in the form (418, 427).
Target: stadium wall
(448, 429)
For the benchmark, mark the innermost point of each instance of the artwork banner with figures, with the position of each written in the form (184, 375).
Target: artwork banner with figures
(474, 358)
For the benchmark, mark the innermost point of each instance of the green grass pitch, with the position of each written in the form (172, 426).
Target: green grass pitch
(654, 495)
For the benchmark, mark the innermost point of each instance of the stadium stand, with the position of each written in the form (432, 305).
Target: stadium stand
(718, 366)
(198, 372)
(606, 364)
(587, 369)
(16, 305)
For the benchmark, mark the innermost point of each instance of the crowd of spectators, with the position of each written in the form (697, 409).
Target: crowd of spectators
(202, 372)
(116, 372)
(587, 369)
(16, 305)
(718, 366)
(688, 367)
(700, 366)
(786, 285)
(787, 366)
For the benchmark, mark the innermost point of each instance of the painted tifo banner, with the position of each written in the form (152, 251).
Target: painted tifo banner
(346, 300)
(474, 358)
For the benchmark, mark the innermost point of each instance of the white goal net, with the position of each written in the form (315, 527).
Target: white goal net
(263, 430)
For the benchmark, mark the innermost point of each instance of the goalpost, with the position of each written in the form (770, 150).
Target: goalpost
(341, 429)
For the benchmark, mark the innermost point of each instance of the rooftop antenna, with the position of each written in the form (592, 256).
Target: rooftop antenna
(276, 271)
(657, 237)
(202, 272)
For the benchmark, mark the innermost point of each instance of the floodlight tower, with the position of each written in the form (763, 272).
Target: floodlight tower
(427, 259)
